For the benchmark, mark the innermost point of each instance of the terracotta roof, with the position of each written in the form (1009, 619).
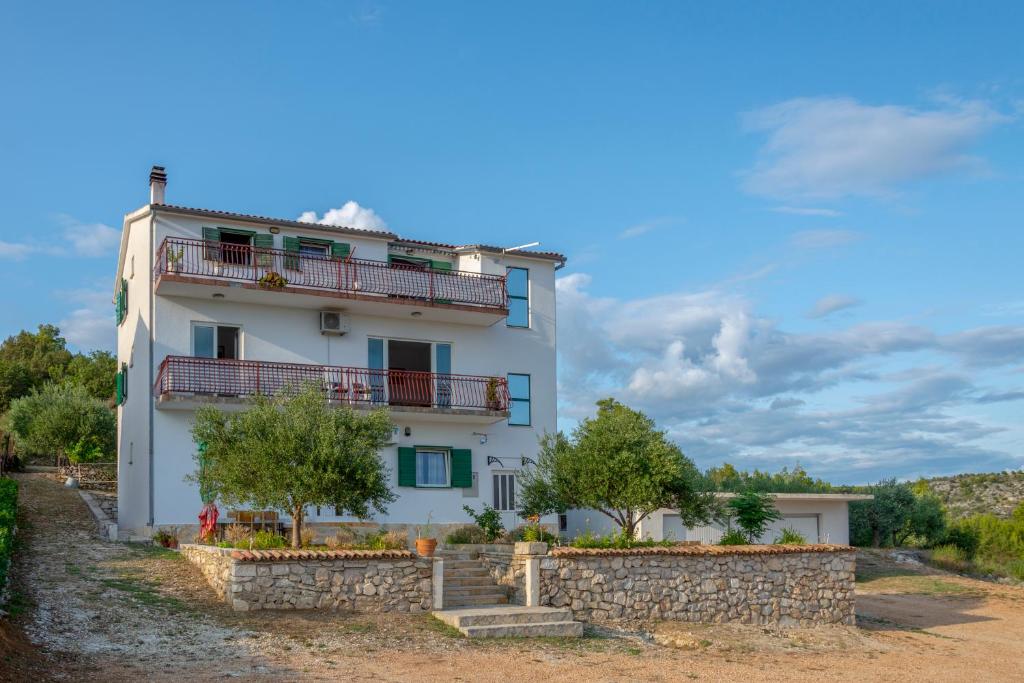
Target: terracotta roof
(702, 550)
(215, 213)
(272, 555)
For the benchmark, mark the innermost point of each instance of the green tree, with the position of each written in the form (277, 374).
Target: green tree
(293, 451)
(97, 372)
(926, 521)
(64, 420)
(15, 382)
(876, 521)
(753, 511)
(619, 464)
(43, 354)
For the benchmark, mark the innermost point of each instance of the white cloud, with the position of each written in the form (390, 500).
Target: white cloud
(15, 251)
(91, 324)
(807, 211)
(90, 239)
(824, 239)
(828, 148)
(832, 303)
(730, 384)
(350, 215)
(646, 227)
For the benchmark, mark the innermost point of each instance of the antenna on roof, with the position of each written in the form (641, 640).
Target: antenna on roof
(521, 246)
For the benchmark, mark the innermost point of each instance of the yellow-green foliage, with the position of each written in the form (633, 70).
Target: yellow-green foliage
(952, 558)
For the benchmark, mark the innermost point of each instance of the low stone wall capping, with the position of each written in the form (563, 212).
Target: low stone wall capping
(695, 550)
(362, 581)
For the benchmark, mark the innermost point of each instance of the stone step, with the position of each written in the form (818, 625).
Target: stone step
(459, 565)
(455, 555)
(457, 581)
(479, 589)
(496, 621)
(513, 614)
(475, 601)
(548, 629)
(467, 573)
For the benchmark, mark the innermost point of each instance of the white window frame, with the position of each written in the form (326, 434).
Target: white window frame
(447, 467)
(325, 250)
(214, 325)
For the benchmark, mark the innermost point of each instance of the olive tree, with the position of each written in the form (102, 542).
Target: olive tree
(63, 419)
(291, 451)
(619, 464)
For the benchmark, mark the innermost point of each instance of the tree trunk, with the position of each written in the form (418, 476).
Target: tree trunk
(297, 527)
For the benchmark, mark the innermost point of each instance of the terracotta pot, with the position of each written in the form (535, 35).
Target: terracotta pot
(425, 546)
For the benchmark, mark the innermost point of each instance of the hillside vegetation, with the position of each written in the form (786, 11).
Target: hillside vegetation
(964, 495)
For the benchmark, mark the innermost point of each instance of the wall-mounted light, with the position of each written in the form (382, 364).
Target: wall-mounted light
(275, 230)
(218, 295)
(416, 314)
(408, 431)
(482, 435)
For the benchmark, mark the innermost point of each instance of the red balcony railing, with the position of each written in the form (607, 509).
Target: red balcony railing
(350, 276)
(357, 386)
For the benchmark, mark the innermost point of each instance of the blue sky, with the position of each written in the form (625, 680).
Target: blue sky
(793, 231)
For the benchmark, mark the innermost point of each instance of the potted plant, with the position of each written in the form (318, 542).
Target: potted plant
(493, 402)
(166, 539)
(272, 280)
(174, 259)
(426, 544)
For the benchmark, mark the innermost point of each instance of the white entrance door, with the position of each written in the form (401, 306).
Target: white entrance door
(504, 488)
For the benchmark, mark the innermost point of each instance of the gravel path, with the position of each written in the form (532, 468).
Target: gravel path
(94, 610)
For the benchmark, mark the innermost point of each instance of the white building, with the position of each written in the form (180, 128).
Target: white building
(818, 517)
(458, 341)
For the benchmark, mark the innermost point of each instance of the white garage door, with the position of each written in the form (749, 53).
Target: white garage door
(672, 527)
(805, 525)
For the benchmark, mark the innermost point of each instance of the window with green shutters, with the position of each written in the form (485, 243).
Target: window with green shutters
(121, 384)
(211, 246)
(121, 304)
(435, 467)
(293, 247)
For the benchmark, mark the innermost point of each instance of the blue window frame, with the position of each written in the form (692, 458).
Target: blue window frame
(519, 400)
(518, 283)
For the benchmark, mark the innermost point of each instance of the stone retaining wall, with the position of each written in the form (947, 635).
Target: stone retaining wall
(362, 581)
(784, 585)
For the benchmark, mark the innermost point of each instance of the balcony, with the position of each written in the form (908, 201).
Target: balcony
(188, 267)
(184, 383)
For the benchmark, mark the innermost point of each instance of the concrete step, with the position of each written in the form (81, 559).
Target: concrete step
(475, 601)
(497, 621)
(552, 629)
(457, 555)
(513, 614)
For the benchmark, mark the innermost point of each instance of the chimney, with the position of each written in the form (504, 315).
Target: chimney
(157, 185)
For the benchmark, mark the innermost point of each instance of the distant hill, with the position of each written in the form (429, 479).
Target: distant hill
(971, 494)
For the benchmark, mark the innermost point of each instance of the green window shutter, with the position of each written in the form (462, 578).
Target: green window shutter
(120, 388)
(124, 381)
(441, 265)
(260, 241)
(124, 299)
(462, 468)
(291, 259)
(211, 251)
(340, 250)
(406, 466)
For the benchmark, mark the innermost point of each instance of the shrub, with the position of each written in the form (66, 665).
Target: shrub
(489, 521)
(952, 558)
(307, 535)
(233, 533)
(734, 537)
(471, 533)
(344, 537)
(385, 540)
(790, 537)
(264, 540)
(617, 541)
(963, 537)
(167, 539)
(530, 533)
(8, 511)
(753, 512)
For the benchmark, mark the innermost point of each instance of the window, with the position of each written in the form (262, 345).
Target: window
(313, 248)
(518, 283)
(519, 400)
(432, 468)
(504, 491)
(215, 341)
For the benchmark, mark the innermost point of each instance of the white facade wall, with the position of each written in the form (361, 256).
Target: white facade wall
(291, 334)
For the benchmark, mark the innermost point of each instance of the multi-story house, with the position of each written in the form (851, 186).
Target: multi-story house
(215, 307)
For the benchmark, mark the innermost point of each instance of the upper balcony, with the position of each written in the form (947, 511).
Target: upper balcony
(188, 267)
(184, 383)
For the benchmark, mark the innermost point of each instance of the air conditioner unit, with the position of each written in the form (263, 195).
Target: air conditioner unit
(333, 322)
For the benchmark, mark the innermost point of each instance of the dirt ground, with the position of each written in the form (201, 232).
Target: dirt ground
(84, 609)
